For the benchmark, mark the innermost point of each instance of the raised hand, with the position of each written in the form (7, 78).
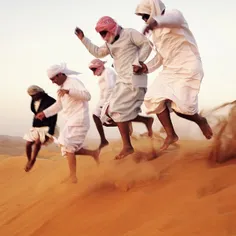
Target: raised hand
(79, 33)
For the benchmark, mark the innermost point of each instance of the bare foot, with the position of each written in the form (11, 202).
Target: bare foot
(205, 128)
(70, 179)
(96, 156)
(29, 165)
(149, 126)
(124, 153)
(168, 141)
(103, 144)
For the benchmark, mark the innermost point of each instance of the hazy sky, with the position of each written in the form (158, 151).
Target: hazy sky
(36, 34)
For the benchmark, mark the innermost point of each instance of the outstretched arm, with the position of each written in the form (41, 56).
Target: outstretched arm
(53, 109)
(171, 19)
(96, 51)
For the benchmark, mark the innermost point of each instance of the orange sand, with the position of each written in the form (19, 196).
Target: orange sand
(179, 193)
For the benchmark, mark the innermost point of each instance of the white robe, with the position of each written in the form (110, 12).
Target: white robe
(106, 83)
(182, 73)
(75, 111)
(128, 94)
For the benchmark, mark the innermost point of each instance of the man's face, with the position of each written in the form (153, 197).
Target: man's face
(37, 96)
(103, 33)
(145, 17)
(58, 79)
(107, 36)
(93, 70)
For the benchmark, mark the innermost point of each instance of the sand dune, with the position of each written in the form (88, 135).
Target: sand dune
(184, 191)
(179, 193)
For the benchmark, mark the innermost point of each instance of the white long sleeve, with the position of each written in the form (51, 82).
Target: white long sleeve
(73, 106)
(53, 109)
(142, 42)
(80, 95)
(79, 92)
(171, 19)
(96, 51)
(155, 63)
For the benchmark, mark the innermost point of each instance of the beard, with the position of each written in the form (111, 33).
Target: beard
(110, 37)
(99, 71)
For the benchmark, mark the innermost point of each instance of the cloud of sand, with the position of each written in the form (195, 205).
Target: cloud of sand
(222, 119)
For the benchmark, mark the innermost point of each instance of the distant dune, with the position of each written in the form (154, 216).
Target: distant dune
(11, 145)
(15, 145)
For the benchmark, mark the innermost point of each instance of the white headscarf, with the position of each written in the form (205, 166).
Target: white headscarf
(56, 69)
(34, 89)
(150, 7)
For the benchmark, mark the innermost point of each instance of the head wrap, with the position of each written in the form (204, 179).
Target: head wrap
(34, 89)
(56, 69)
(108, 24)
(98, 64)
(150, 7)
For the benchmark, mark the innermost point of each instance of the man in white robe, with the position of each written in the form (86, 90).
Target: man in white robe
(128, 48)
(106, 82)
(178, 84)
(72, 100)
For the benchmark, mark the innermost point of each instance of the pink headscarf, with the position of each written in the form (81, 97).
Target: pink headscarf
(108, 24)
(99, 65)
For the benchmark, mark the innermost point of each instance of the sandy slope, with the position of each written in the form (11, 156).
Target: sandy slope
(179, 193)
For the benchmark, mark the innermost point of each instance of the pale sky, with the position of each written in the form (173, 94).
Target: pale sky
(37, 34)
